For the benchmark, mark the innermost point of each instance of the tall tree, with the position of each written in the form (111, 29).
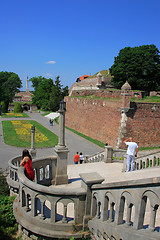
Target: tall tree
(140, 66)
(9, 86)
(47, 94)
(41, 94)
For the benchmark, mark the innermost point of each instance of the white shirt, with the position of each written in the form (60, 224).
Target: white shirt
(131, 148)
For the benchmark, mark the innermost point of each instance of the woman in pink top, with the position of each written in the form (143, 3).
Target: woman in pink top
(27, 163)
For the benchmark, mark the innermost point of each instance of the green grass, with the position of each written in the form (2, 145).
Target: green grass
(88, 138)
(21, 140)
(147, 99)
(148, 148)
(15, 115)
(96, 97)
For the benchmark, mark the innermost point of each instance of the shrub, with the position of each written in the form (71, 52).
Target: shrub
(17, 108)
(4, 107)
(4, 189)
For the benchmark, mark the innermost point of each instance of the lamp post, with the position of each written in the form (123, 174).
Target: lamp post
(32, 150)
(61, 150)
(62, 110)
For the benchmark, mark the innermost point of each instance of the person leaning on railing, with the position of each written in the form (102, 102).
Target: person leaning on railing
(27, 163)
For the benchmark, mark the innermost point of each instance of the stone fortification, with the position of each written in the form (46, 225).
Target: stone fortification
(109, 121)
(97, 119)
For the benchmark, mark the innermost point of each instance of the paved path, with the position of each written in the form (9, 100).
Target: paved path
(73, 142)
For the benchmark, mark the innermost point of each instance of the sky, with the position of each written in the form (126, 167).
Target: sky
(71, 38)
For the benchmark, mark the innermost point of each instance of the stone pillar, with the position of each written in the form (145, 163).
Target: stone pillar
(61, 150)
(128, 218)
(153, 218)
(108, 153)
(64, 220)
(88, 179)
(99, 80)
(125, 98)
(33, 150)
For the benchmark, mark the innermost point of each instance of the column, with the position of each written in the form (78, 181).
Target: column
(153, 218)
(32, 150)
(61, 150)
(64, 220)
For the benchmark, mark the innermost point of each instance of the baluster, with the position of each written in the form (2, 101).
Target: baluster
(153, 218)
(27, 203)
(129, 211)
(98, 210)
(64, 220)
(111, 212)
(42, 211)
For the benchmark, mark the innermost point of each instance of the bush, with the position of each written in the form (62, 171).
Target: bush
(4, 189)
(4, 108)
(17, 108)
(8, 226)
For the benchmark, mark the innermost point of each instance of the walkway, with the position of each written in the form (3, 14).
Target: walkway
(73, 142)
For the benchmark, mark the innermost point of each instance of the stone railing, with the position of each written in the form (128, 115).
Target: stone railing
(126, 210)
(151, 160)
(45, 211)
(108, 155)
(145, 161)
(98, 157)
(12, 178)
(44, 172)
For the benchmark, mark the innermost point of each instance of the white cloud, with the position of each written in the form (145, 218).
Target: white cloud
(50, 62)
(49, 75)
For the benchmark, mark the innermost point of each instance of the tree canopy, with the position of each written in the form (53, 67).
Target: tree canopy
(9, 86)
(140, 66)
(47, 94)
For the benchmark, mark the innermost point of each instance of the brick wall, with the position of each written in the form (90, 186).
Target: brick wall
(97, 119)
(144, 124)
(100, 120)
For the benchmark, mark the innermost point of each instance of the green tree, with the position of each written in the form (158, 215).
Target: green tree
(17, 108)
(47, 94)
(140, 66)
(9, 86)
(41, 95)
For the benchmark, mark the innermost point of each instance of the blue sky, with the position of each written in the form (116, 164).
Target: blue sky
(71, 38)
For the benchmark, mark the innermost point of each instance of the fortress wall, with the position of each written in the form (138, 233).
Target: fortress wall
(97, 119)
(100, 120)
(144, 124)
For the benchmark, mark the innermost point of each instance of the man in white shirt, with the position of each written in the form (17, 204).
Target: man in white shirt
(131, 153)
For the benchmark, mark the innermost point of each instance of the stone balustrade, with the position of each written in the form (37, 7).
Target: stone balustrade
(126, 210)
(151, 160)
(98, 157)
(145, 161)
(117, 155)
(12, 178)
(43, 209)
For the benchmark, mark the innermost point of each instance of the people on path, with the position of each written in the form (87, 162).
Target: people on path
(132, 151)
(81, 158)
(51, 122)
(27, 163)
(76, 158)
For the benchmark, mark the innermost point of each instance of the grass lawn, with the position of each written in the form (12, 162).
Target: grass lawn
(16, 115)
(18, 133)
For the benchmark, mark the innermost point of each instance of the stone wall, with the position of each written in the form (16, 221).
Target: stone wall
(97, 119)
(143, 123)
(101, 120)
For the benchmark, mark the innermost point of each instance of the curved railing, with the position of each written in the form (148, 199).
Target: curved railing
(43, 209)
(120, 209)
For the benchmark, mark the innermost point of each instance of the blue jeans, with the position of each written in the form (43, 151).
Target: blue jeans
(130, 162)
